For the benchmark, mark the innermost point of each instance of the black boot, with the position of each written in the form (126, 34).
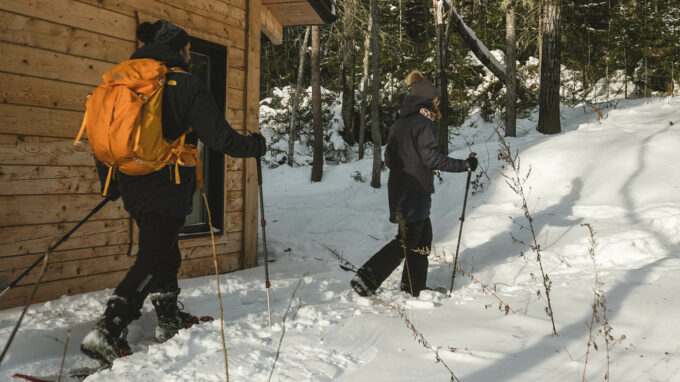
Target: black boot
(107, 340)
(364, 284)
(170, 317)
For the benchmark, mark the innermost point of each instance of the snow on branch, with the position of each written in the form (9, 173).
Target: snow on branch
(476, 46)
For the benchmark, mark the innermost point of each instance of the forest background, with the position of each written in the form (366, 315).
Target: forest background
(608, 49)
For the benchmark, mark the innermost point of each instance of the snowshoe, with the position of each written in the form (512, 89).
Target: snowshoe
(362, 285)
(78, 374)
(103, 346)
(107, 340)
(171, 318)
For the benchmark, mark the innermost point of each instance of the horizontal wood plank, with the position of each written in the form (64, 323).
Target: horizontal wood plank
(35, 239)
(77, 15)
(41, 180)
(61, 270)
(22, 150)
(234, 114)
(37, 62)
(43, 209)
(234, 200)
(236, 78)
(68, 39)
(234, 180)
(193, 23)
(22, 262)
(39, 121)
(235, 163)
(236, 58)
(30, 91)
(205, 265)
(231, 242)
(112, 258)
(233, 221)
(235, 98)
(213, 10)
(237, 3)
(55, 289)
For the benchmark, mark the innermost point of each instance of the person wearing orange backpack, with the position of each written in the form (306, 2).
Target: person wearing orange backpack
(160, 200)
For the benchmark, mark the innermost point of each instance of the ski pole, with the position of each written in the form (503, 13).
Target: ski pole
(462, 220)
(263, 224)
(52, 248)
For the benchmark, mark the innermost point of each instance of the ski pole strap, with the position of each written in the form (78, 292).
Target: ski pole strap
(81, 131)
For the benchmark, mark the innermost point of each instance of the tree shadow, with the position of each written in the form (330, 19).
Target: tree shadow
(503, 243)
(513, 365)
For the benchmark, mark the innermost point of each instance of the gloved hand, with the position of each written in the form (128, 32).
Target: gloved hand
(472, 163)
(261, 144)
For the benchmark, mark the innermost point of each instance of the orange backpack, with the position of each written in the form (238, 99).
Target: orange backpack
(123, 120)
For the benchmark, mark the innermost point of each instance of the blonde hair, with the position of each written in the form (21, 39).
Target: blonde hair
(414, 77)
(435, 109)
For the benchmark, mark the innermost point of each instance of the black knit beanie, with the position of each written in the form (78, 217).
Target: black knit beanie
(163, 32)
(423, 88)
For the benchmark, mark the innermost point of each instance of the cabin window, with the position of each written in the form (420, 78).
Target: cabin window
(209, 64)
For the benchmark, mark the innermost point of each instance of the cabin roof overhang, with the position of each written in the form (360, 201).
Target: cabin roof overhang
(277, 14)
(301, 12)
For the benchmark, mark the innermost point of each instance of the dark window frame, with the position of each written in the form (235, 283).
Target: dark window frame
(213, 161)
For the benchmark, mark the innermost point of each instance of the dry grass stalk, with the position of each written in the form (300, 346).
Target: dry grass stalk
(63, 357)
(219, 292)
(502, 305)
(417, 335)
(345, 264)
(283, 330)
(599, 315)
(516, 181)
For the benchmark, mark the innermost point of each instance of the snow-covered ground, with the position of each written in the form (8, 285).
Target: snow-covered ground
(620, 174)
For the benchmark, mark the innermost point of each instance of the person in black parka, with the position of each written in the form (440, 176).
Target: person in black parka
(158, 205)
(411, 155)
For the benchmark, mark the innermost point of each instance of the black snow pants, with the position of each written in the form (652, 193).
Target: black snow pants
(158, 259)
(418, 237)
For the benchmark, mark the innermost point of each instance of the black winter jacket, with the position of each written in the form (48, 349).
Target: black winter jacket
(189, 103)
(412, 154)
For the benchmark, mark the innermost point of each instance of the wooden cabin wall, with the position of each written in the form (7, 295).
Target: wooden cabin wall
(52, 54)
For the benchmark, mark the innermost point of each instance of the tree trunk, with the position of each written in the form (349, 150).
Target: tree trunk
(646, 50)
(348, 59)
(317, 166)
(375, 93)
(401, 21)
(608, 51)
(646, 74)
(549, 93)
(511, 71)
(296, 97)
(477, 47)
(540, 36)
(625, 74)
(364, 91)
(441, 80)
